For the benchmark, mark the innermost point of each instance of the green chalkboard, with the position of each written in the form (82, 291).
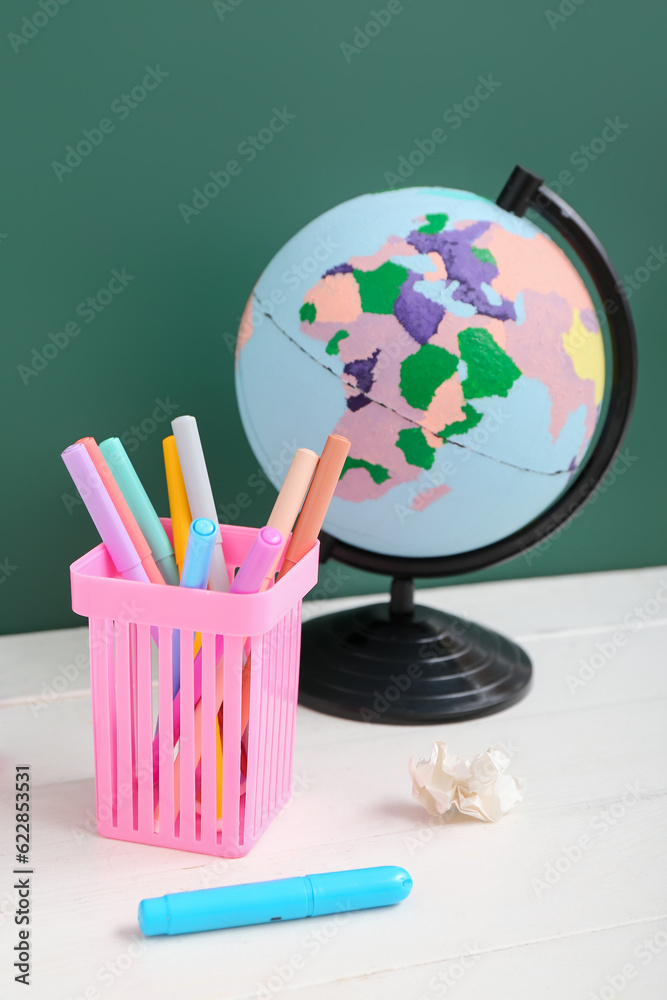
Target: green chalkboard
(123, 286)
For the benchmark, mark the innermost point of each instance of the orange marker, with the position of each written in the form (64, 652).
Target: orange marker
(284, 514)
(124, 512)
(317, 500)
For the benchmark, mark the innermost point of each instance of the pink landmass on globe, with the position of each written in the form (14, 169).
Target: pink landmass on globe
(394, 247)
(440, 273)
(245, 327)
(519, 271)
(428, 496)
(336, 298)
(446, 406)
(537, 348)
(373, 431)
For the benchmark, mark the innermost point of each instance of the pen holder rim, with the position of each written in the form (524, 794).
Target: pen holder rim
(98, 591)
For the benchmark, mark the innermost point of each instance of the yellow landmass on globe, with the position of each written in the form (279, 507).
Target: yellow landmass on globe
(587, 352)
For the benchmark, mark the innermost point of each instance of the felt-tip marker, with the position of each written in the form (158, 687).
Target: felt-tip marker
(269, 902)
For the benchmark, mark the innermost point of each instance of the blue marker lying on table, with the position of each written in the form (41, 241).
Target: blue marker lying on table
(266, 902)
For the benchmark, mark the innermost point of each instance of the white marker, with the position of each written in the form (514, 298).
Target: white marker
(198, 489)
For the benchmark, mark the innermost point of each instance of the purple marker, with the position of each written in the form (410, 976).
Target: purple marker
(258, 562)
(106, 518)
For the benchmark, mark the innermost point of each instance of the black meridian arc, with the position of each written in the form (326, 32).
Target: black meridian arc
(399, 663)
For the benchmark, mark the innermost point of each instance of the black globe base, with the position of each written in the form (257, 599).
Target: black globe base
(403, 664)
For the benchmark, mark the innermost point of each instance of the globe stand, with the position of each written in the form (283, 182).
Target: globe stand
(405, 664)
(401, 663)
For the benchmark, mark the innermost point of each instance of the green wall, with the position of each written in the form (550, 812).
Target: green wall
(218, 72)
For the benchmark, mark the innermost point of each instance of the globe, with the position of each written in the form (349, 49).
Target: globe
(452, 342)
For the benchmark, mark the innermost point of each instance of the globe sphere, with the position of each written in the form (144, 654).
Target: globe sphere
(453, 343)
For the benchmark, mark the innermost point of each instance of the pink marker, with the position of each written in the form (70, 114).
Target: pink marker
(124, 512)
(105, 516)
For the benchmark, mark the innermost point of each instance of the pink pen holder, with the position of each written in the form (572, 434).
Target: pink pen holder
(221, 802)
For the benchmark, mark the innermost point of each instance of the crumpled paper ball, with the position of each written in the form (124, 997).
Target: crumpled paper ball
(476, 787)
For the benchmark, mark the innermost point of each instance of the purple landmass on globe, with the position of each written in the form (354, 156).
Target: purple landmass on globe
(362, 370)
(464, 266)
(355, 403)
(417, 315)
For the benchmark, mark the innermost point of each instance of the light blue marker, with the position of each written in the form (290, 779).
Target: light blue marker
(196, 568)
(142, 509)
(198, 554)
(269, 902)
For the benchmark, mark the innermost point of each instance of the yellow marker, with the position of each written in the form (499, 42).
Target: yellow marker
(179, 508)
(218, 769)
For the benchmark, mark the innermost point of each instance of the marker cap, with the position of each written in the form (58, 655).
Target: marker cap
(199, 552)
(154, 916)
(268, 543)
(359, 889)
(198, 489)
(293, 491)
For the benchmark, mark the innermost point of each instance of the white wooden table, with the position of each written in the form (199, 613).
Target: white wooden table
(517, 909)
